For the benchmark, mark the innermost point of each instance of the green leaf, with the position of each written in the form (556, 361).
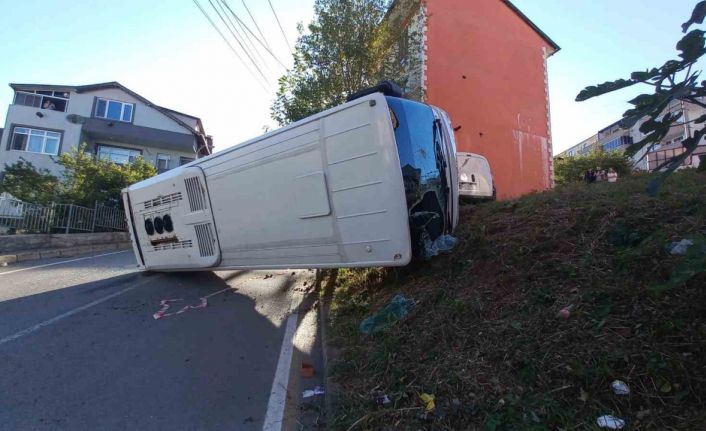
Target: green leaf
(606, 87)
(645, 76)
(692, 46)
(644, 100)
(671, 66)
(697, 16)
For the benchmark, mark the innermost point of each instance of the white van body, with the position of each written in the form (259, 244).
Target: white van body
(324, 192)
(475, 178)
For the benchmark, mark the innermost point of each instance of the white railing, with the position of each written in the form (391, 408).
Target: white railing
(24, 217)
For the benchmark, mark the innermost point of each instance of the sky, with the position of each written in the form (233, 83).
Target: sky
(168, 52)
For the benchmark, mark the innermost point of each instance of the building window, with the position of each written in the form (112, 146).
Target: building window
(118, 155)
(184, 160)
(35, 141)
(52, 100)
(162, 162)
(114, 110)
(617, 143)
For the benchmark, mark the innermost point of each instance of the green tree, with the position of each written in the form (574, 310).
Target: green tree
(25, 182)
(349, 45)
(572, 169)
(88, 179)
(675, 80)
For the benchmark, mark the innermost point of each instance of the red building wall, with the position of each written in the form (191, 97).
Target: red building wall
(486, 67)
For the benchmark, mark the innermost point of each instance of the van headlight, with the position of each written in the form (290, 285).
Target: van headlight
(464, 178)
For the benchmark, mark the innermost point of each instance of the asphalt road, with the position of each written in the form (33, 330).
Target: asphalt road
(80, 348)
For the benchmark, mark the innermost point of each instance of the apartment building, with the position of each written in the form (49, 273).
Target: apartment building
(114, 123)
(469, 56)
(616, 138)
(582, 148)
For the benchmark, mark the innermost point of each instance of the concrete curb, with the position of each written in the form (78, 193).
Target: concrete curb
(24, 256)
(329, 384)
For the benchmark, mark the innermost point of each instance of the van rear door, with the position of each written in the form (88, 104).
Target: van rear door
(171, 221)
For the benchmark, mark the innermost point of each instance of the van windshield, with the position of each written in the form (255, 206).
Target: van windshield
(423, 166)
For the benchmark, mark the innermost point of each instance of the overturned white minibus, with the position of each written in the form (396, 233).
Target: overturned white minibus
(371, 182)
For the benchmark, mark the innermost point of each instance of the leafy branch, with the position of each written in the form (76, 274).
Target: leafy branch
(675, 80)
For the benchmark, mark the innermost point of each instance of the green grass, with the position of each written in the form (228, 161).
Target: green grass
(485, 338)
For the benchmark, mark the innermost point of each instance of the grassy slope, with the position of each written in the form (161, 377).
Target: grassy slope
(485, 337)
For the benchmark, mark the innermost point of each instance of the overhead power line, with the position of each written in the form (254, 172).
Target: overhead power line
(215, 27)
(225, 2)
(239, 36)
(280, 26)
(257, 27)
(239, 43)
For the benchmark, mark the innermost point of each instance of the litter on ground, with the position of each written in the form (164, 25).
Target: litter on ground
(397, 309)
(610, 422)
(319, 390)
(680, 248)
(620, 387)
(428, 400)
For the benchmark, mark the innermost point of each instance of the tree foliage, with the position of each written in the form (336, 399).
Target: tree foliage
(86, 180)
(572, 169)
(675, 80)
(348, 46)
(25, 182)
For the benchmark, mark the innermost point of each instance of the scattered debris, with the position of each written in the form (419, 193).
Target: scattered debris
(268, 276)
(398, 308)
(428, 400)
(441, 244)
(620, 387)
(642, 414)
(319, 390)
(307, 370)
(565, 312)
(381, 398)
(680, 248)
(610, 422)
(3, 264)
(583, 395)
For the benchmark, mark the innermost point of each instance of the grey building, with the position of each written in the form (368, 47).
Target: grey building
(615, 138)
(582, 148)
(113, 121)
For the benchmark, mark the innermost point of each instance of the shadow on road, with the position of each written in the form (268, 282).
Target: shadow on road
(113, 366)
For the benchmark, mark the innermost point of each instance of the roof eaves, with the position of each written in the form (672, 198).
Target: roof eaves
(115, 84)
(533, 25)
(20, 86)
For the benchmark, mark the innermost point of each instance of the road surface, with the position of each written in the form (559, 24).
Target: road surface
(80, 348)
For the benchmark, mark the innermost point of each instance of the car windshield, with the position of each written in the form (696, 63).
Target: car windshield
(423, 167)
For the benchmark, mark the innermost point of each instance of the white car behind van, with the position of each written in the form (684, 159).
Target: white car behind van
(475, 179)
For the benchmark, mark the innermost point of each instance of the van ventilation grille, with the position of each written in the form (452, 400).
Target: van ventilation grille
(204, 236)
(163, 200)
(173, 246)
(194, 190)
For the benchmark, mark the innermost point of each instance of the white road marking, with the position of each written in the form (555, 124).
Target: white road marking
(278, 393)
(70, 313)
(63, 261)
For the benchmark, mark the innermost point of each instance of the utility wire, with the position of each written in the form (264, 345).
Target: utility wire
(215, 27)
(257, 27)
(245, 39)
(280, 27)
(239, 43)
(225, 2)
